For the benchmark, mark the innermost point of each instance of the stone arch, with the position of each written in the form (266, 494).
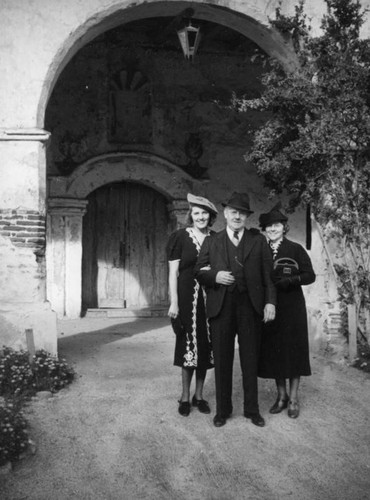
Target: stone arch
(67, 205)
(251, 20)
(67, 195)
(145, 168)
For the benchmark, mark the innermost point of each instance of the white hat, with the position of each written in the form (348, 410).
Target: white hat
(202, 202)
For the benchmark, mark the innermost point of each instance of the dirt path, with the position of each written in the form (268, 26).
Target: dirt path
(115, 433)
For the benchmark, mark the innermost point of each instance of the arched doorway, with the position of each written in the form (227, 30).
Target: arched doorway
(147, 192)
(123, 257)
(149, 144)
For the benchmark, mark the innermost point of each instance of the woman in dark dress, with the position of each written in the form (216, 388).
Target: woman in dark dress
(284, 348)
(193, 350)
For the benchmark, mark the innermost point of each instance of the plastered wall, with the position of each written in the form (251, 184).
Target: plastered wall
(39, 39)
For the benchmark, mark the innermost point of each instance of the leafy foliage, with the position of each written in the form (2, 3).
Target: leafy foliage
(50, 373)
(16, 378)
(315, 145)
(19, 380)
(13, 432)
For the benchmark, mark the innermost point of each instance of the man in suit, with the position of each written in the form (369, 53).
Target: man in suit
(235, 267)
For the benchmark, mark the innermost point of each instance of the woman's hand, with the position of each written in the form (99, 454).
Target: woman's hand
(173, 311)
(287, 283)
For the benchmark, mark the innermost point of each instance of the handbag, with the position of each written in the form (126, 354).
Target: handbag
(285, 267)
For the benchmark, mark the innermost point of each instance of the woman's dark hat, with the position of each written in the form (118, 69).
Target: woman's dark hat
(273, 216)
(239, 201)
(202, 202)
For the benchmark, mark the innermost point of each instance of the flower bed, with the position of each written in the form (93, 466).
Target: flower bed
(13, 432)
(20, 379)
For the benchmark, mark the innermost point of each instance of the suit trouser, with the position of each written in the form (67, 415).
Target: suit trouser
(237, 317)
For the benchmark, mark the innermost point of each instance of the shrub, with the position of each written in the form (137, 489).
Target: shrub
(19, 380)
(15, 373)
(50, 373)
(13, 432)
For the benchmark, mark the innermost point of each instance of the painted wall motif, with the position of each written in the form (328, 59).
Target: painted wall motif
(116, 95)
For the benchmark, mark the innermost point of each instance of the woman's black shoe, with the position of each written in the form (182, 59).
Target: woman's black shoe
(279, 406)
(201, 404)
(184, 408)
(293, 409)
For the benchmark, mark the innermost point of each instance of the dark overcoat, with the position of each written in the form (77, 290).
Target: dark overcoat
(257, 265)
(285, 345)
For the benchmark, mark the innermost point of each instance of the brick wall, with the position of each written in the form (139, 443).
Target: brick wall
(24, 228)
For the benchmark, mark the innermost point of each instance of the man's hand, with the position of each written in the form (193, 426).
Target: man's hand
(225, 278)
(269, 313)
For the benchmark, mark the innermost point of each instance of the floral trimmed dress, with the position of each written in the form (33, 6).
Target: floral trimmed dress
(193, 347)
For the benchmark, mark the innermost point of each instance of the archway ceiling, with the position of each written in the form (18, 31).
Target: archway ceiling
(159, 34)
(250, 27)
(253, 28)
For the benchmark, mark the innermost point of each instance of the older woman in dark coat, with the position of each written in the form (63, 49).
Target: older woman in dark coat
(285, 349)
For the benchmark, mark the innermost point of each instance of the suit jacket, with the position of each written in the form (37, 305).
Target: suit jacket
(257, 264)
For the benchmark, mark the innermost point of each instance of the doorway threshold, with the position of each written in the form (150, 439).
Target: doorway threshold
(128, 312)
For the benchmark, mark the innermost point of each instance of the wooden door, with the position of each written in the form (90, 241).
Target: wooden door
(124, 235)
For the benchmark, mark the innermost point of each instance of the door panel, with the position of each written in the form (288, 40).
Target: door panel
(125, 230)
(110, 219)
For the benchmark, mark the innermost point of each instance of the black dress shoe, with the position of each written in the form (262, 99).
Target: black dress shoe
(279, 406)
(219, 420)
(256, 419)
(184, 408)
(201, 404)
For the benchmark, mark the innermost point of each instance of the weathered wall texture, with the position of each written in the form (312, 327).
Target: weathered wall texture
(58, 78)
(22, 245)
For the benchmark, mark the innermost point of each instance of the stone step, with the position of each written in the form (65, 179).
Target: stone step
(128, 312)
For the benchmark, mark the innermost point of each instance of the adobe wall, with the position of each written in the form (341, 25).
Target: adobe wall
(40, 38)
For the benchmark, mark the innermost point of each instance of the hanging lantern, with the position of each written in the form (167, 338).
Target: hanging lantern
(189, 39)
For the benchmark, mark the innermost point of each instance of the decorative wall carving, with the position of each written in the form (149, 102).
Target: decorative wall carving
(129, 107)
(72, 150)
(194, 150)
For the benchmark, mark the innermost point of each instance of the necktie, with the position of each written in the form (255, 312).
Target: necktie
(236, 238)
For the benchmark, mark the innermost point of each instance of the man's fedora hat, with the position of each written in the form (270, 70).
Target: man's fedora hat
(202, 202)
(273, 216)
(240, 201)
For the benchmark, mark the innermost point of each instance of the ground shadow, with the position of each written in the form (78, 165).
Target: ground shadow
(91, 335)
